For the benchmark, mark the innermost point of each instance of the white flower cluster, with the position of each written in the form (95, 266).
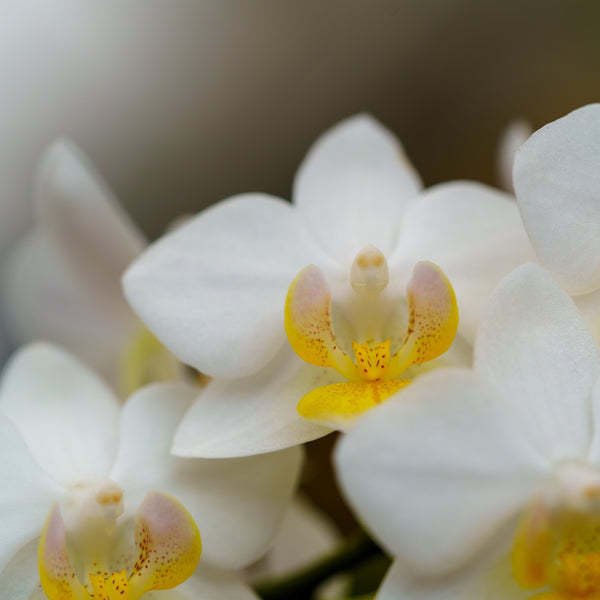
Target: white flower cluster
(450, 333)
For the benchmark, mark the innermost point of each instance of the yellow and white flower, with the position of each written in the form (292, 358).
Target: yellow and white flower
(214, 291)
(485, 483)
(68, 442)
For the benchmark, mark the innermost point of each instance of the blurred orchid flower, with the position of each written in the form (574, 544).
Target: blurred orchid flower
(62, 281)
(486, 483)
(66, 439)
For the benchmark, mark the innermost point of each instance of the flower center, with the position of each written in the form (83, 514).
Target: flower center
(166, 539)
(372, 363)
(432, 324)
(114, 587)
(557, 544)
(369, 273)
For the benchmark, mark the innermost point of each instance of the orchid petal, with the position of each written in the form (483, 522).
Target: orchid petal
(94, 234)
(308, 323)
(20, 578)
(534, 345)
(433, 318)
(211, 289)
(66, 415)
(27, 493)
(353, 188)
(515, 134)
(56, 573)
(339, 404)
(207, 583)
(241, 499)
(42, 299)
(168, 542)
(306, 535)
(437, 472)
(491, 580)
(253, 415)
(474, 233)
(557, 183)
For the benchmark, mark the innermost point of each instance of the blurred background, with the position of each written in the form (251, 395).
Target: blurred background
(183, 103)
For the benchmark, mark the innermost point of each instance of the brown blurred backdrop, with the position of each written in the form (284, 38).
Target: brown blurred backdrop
(181, 104)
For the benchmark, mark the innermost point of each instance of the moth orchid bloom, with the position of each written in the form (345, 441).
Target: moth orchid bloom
(66, 440)
(214, 290)
(62, 281)
(557, 186)
(485, 483)
(167, 551)
(373, 377)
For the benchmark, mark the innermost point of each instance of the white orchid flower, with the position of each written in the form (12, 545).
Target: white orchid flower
(214, 291)
(66, 439)
(486, 483)
(557, 184)
(62, 281)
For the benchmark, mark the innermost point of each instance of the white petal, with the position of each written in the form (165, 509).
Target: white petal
(237, 504)
(66, 415)
(536, 348)
(489, 581)
(85, 221)
(474, 233)
(255, 414)
(437, 471)
(42, 299)
(305, 535)
(26, 496)
(353, 188)
(512, 138)
(20, 580)
(213, 290)
(557, 182)
(207, 583)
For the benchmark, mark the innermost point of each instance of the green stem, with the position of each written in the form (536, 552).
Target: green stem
(301, 584)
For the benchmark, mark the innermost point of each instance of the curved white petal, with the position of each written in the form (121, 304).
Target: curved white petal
(436, 472)
(213, 290)
(237, 503)
(19, 580)
(207, 583)
(95, 236)
(42, 299)
(534, 345)
(512, 138)
(253, 415)
(305, 535)
(490, 581)
(353, 187)
(66, 415)
(26, 495)
(474, 233)
(557, 183)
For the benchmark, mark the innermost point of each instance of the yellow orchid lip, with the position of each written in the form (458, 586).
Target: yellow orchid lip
(168, 550)
(433, 321)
